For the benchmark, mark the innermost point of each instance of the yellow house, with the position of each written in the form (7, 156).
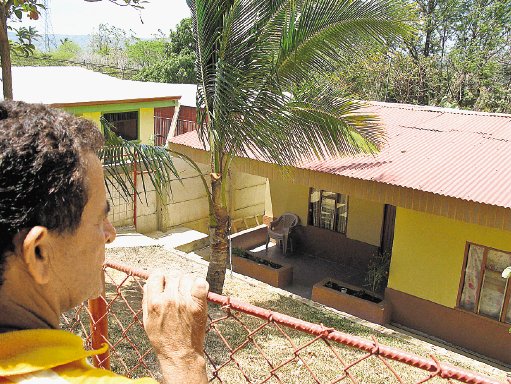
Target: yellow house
(131, 106)
(438, 196)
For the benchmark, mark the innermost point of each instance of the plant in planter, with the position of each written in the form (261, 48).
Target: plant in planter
(260, 268)
(378, 272)
(250, 256)
(360, 293)
(348, 298)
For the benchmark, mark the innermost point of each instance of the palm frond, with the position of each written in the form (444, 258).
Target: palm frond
(255, 52)
(317, 126)
(123, 159)
(207, 20)
(327, 31)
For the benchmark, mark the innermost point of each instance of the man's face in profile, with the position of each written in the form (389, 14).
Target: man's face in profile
(78, 258)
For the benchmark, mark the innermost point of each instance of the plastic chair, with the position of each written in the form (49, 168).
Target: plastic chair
(280, 229)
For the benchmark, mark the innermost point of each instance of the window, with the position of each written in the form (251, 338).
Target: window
(125, 124)
(328, 210)
(484, 290)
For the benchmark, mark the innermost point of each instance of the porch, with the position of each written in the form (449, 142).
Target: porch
(308, 269)
(316, 255)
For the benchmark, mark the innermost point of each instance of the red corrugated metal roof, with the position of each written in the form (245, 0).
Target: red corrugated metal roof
(461, 154)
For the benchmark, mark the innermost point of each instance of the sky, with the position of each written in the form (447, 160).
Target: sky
(78, 17)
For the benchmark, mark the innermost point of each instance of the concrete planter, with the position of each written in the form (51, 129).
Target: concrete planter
(375, 312)
(278, 277)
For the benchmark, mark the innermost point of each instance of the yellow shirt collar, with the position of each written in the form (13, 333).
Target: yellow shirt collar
(38, 349)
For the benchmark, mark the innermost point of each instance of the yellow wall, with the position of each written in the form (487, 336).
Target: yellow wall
(365, 220)
(146, 121)
(428, 252)
(364, 217)
(93, 116)
(146, 117)
(287, 197)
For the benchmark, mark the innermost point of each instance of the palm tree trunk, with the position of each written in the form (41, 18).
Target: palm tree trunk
(218, 232)
(5, 54)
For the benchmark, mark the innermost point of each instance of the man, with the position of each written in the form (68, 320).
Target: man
(53, 230)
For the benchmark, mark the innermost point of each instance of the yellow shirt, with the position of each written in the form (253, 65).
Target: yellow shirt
(52, 356)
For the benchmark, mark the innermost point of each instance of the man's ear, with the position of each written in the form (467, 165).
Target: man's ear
(36, 254)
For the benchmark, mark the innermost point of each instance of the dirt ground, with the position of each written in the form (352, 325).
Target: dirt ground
(260, 294)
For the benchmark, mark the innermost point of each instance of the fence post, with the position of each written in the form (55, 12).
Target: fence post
(135, 190)
(99, 328)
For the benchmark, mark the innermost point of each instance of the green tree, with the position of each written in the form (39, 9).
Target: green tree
(181, 40)
(480, 54)
(12, 9)
(166, 60)
(172, 69)
(67, 50)
(250, 57)
(25, 41)
(459, 57)
(144, 53)
(108, 46)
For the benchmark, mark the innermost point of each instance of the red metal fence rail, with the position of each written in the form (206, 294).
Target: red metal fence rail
(245, 343)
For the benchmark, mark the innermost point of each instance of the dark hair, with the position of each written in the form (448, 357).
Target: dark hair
(42, 178)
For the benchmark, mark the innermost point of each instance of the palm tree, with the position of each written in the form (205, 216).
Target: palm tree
(251, 55)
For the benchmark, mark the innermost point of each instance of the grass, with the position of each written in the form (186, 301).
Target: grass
(273, 300)
(244, 348)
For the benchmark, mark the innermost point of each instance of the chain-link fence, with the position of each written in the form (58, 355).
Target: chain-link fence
(245, 343)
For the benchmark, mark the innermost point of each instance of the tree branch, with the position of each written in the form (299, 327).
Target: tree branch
(123, 3)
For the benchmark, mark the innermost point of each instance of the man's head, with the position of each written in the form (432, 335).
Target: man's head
(48, 174)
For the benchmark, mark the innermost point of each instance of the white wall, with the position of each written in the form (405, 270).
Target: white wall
(186, 203)
(121, 209)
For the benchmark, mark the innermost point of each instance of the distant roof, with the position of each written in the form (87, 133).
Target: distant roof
(76, 85)
(455, 153)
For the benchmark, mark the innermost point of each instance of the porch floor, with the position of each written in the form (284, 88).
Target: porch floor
(308, 270)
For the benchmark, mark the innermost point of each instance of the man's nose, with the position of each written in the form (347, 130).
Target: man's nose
(110, 232)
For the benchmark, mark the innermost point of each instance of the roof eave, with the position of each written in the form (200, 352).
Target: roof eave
(120, 101)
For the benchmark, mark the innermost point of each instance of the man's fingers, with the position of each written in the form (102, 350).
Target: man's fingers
(144, 306)
(177, 289)
(200, 288)
(155, 284)
(172, 288)
(185, 286)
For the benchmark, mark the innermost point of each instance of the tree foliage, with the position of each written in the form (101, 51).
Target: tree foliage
(166, 59)
(25, 41)
(67, 50)
(9, 10)
(173, 69)
(460, 57)
(108, 46)
(145, 53)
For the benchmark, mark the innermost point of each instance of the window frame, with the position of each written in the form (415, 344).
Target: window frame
(310, 219)
(137, 111)
(507, 292)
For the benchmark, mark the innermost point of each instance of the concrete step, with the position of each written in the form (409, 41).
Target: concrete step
(182, 239)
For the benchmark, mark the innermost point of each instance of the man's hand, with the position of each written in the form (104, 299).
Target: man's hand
(175, 315)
